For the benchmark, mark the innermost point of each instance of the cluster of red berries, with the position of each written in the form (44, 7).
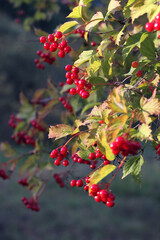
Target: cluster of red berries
(31, 204)
(23, 138)
(23, 181)
(59, 180)
(3, 174)
(98, 154)
(125, 147)
(13, 121)
(154, 25)
(73, 75)
(80, 32)
(66, 104)
(80, 160)
(55, 42)
(60, 156)
(158, 149)
(135, 65)
(44, 57)
(99, 195)
(37, 126)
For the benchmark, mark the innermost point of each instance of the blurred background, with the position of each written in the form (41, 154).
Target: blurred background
(65, 214)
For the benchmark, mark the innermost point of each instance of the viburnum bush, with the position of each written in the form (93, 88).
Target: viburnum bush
(111, 96)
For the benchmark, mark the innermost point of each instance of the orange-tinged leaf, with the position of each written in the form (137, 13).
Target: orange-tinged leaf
(59, 131)
(116, 101)
(101, 173)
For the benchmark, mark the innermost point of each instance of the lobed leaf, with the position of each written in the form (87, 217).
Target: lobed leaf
(133, 166)
(59, 131)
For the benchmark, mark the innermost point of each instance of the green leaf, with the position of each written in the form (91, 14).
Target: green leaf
(67, 25)
(95, 64)
(131, 42)
(59, 131)
(147, 47)
(84, 154)
(96, 80)
(133, 166)
(88, 106)
(98, 17)
(151, 105)
(84, 57)
(76, 12)
(7, 149)
(144, 132)
(101, 173)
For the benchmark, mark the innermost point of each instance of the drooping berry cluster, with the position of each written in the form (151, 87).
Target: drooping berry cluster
(60, 156)
(59, 180)
(158, 149)
(23, 138)
(154, 25)
(76, 75)
(13, 121)
(31, 204)
(44, 57)
(23, 181)
(125, 147)
(37, 126)
(66, 105)
(80, 160)
(55, 42)
(3, 174)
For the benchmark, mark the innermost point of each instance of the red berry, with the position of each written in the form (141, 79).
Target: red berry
(50, 38)
(72, 91)
(68, 74)
(64, 150)
(94, 188)
(64, 43)
(110, 204)
(92, 156)
(98, 154)
(149, 27)
(87, 179)
(119, 141)
(139, 73)
(73, 183)
(103, 194)
(65, 163)
(111, 197)
(68, 67)
(58, 34)
(42, 39)
(106, 162)
(46, 45)
(157, 26)
(52, 47)
(67, 49)
(101, 121)
(85, 94)
(57, 162)
(79, 183)
(69, 81)
(135, 64)
(86, 188)
(93, 43)
(61, 54)
(97, 199)
(54, 153)
(157, 18)
(75, 70)
(93, 166)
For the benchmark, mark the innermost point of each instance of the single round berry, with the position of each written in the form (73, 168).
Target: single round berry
(42, 39)
(101, 121)
(134, 64)
(64, 150)
(85, 94)
(157, 26)
(73, 91)
(79, 183)
(97, 199)
(61, 54)
(68, 67)
(65, 162)
(57, 162)
(149, 27)
(54, 153)
(73, 183)
(50, 38)
(139, 73)
(110, 203)
(106, 162)
(86, 188)
(103, 194)
(75, 70)
(58, 34)
(92, 166)
(111, 197)
(119, 141)
(94, 188)
(92, 156)
(93, 43)
(67, 49)
(46, 45)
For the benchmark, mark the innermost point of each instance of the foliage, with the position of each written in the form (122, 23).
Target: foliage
(111, 94)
